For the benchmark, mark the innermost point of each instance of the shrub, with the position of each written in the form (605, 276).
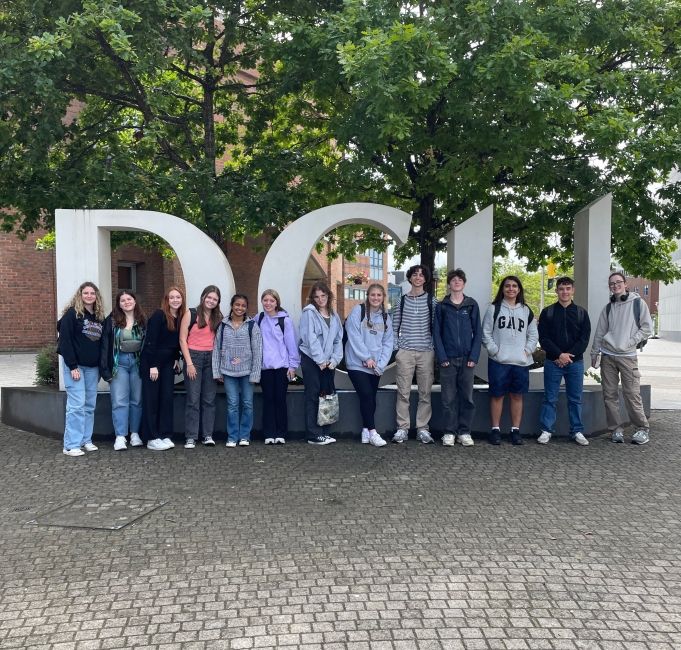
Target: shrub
(47, 366)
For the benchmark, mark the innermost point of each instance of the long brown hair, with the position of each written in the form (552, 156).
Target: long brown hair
(118, 314)
(215, 313)
(324, 288)
(77, 302)
(165, 308)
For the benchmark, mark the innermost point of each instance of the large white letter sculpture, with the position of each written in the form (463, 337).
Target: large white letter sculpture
(84, 248)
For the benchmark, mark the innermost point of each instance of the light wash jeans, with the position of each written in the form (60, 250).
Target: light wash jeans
(126, 396)
(573, 374)
(239, 393)
(81, 397)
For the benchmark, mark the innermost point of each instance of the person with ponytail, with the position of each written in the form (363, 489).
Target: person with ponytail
(197, 338)
(280, 358)
(237, 361)
(367, 353)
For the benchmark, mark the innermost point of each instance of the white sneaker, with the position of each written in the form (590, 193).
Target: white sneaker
(400, 436)
(208, 441)
(424, 437)
(279, 441)
(269, 441)
(135, 440)
(244, 443)
(465, 440)
(580, 439)
(88, 446)
(366, 437)
(376, 440)
(229, 443)
(157, 445)
(73, 452)
(119, 443)
(544, 438)
(448, 440)
(190, 444)
(169, 443)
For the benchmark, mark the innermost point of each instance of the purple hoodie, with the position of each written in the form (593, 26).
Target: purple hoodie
(279, 349)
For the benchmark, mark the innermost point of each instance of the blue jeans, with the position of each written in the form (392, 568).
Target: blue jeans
(81, 397)
(239, 393)
(573, 374)
(126, 396)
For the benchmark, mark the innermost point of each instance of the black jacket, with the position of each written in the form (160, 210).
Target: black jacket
(457, 332)
(564, 329)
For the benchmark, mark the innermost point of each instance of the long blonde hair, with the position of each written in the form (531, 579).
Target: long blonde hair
(367, 306)
(79, 306)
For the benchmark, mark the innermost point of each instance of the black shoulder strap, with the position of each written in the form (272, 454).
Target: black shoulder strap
(607, 309)
(497, 309)
(192, 318)
(250, 327)
(281, 323)
(637, 312)
(402, 299)
(362, 312)
(430, 312)
(220, 335)
(530, 318)
(261, 315)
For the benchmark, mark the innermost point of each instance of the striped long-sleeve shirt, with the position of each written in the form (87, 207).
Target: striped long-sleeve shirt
(413, 326)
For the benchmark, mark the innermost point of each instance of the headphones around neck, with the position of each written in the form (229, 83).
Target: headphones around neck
(623, 297)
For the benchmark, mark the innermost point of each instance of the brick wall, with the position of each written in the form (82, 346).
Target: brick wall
(28, 314)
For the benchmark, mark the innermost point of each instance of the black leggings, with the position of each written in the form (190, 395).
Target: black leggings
(366, 387)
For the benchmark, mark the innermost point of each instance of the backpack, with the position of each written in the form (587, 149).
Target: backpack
(550, 313)
(281, 320)
(192, 319)
(497, 309)
(362, 314)
(637, 317)
(222, 331)
(430, 312)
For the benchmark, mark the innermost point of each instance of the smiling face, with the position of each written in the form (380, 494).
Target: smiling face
(127, 303)
(376, 297)
(511, 290)
(239, 307)
(565, 293)
(320, 299)
(211, 300)
(174, 300)
(269, 304)
(617, 284)
(417, 279)
(89, 296)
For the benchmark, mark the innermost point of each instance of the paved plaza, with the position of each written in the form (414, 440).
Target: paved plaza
(348, 546)
(345, 546)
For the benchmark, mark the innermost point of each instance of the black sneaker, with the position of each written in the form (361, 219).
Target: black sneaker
(494, 437)
(516, 438)
(320, 440)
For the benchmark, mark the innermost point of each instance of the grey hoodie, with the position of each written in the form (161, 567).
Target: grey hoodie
(511, 340)
(322, 343)
(618, 334)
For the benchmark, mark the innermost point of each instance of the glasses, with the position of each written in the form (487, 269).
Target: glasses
(615, 284)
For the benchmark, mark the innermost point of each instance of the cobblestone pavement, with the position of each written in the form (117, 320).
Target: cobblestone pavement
(348, 546)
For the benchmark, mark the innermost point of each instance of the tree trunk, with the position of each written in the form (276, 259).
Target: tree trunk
(424, 217)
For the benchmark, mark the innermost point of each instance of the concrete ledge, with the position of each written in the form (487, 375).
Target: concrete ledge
(42, 410)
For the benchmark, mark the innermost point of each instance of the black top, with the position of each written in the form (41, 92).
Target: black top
(79, 339)
(564, 329)
(160, 344)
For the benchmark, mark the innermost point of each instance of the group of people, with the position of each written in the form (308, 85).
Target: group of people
(141, 356)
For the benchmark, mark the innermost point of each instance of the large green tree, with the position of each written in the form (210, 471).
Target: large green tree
(441, 107)
(154, 97)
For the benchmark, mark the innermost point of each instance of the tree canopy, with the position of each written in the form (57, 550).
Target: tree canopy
(438, 107)
(442, 107)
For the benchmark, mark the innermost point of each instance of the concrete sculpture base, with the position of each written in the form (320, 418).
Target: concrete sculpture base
(42, 410)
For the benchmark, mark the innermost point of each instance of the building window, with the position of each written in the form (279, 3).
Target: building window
(127, 276)
(646, 290)
(359, 294)
(375, 264)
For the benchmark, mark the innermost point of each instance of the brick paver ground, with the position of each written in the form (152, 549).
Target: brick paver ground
(348, 546)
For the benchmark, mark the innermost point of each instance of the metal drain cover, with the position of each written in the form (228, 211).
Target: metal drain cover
(97, 513)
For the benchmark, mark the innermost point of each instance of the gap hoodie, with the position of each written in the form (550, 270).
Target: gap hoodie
(279, 349)
(618, 334)
(511, 339)
(321, 343)
(364, 342)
